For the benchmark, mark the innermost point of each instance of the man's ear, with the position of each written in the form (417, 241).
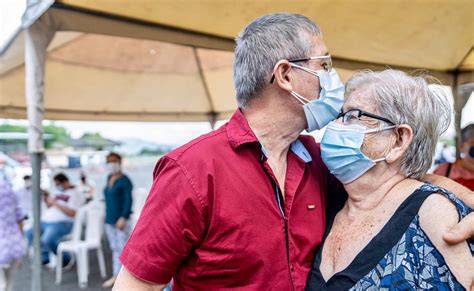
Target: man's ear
(403, 138)
(281, 71)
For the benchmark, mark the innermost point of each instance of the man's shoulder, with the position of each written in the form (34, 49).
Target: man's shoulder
(201, 147)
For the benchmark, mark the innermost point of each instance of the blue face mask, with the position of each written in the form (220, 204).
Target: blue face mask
(340, 150)
(321, 111)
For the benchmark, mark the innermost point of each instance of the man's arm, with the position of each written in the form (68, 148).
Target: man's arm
(68, 211)
(465, 228)
(171, 225)
(126, 281)
(463, 193)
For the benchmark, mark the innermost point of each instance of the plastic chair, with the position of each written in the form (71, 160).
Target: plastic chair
(93, 215)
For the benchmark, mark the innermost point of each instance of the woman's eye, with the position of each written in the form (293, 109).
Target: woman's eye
(350, 119)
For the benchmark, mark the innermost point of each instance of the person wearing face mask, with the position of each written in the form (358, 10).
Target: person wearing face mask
(25, 199)
(118, 207)
(245, 206)
(462, 170)
(58, 217)
(389, 232)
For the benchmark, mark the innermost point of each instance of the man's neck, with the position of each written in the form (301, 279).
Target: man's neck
(275, 131)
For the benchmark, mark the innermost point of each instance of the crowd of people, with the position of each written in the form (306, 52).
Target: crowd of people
(59, 208)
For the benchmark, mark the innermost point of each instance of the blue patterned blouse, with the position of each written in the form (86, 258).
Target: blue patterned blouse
(399, 257)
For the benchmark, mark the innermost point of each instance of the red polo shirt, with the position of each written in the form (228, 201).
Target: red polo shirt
(213, 219)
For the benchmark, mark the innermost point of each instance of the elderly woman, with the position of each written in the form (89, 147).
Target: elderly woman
(388, 234)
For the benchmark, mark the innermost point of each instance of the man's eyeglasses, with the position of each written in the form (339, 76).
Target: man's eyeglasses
(325, 62)
(353, 116)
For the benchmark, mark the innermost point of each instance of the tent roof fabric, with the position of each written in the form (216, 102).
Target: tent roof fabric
(434, 35)
(172, 60)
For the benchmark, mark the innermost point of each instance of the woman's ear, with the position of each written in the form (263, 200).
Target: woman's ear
(281, 71)
(403, 138)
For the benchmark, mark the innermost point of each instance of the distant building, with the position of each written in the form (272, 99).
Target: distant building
(16, 142)
(90, 144)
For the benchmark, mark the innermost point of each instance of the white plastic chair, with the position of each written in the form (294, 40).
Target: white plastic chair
(93, 215)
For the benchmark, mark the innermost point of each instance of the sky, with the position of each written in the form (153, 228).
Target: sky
(10, 17)
(158, 132)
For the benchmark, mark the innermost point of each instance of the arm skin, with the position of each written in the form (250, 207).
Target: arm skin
(127, 281)
(68, 211)
(437, 216)
(465, 228)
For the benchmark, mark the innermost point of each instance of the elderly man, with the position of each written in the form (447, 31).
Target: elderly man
(244, 206)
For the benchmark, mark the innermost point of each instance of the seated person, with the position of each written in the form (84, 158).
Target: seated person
(462, 170)
(388, 234)
(58, 218)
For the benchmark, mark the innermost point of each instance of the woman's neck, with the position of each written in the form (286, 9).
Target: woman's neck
(365, 196)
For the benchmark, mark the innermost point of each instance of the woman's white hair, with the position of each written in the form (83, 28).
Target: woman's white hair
(404, 99)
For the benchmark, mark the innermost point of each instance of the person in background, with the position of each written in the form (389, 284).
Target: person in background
(118, 207)
(25, 198)
(58, 218)
(12, 246)
(87, 188)
(462, 170)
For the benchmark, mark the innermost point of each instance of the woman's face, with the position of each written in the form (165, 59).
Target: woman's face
(375, 145)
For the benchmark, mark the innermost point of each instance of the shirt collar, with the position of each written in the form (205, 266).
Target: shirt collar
(239, 133)
(298, 148)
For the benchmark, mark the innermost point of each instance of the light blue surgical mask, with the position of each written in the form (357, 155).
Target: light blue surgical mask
(340, 150)
(321, 111)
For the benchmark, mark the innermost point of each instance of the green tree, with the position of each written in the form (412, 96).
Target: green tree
(58, 134)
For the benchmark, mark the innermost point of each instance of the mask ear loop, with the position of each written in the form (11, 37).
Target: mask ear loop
(300, 98)
(379, 130)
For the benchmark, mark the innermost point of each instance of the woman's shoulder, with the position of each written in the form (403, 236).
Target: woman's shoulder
(441, 208)
(438, 214)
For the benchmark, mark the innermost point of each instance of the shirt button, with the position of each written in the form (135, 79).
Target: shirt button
(292, 268)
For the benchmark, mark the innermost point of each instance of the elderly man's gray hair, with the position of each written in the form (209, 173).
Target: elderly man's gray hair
(264, 42)
(408, 100)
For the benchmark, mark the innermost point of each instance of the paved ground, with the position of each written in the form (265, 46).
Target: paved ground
(69, 282)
